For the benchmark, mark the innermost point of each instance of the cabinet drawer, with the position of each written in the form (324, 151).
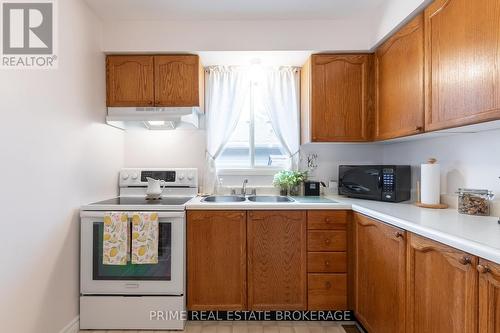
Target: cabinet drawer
(327, 219)
(327, 291)
(326, 240)
(326, 262)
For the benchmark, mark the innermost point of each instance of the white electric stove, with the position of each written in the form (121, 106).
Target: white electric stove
(133, 296)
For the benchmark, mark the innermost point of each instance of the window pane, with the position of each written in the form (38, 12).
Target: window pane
(267, 147)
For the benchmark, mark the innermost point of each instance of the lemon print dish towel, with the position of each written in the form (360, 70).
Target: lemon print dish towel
(115, 239)
(145, 238)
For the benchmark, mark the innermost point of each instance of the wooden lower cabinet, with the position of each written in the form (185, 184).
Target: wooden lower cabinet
(442, 288)
(327, 259)
(380, 266)
(216, 260)
(277, 260)
(327, 291)
(489, 297)
(326, 262)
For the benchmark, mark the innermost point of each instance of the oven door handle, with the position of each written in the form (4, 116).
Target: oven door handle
(161, 214)
(131, 285)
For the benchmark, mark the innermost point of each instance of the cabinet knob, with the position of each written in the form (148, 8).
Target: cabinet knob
(327, 263)
(328, 284)
(483, 269)
(327, 219)
(419, 129)
(150, 102)
(327, 241)
(464, 260)
(398, 234)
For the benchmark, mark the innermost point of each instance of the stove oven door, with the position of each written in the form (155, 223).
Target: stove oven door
(164, 278)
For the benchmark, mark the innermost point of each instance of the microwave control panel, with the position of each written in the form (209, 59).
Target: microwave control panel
(388, 184)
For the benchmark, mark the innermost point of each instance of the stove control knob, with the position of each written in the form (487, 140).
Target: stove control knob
(181, 176)
(134, 176)
(124, 176)
(190, 176)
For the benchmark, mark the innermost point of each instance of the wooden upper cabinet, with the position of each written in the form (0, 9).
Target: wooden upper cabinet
(163, 80)
(129, 80)
(216, 260)
(177, 80)
(337, 98)
(380, 273)
(442, 288)
(489, 297)
(399, 83)
(277, 260)
(462, 62)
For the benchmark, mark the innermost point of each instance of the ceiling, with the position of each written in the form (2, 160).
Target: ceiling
(236, 9)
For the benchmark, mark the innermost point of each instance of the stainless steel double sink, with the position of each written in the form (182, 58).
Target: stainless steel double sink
(252, 198)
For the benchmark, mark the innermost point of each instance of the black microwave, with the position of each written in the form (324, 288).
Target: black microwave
(390, 183)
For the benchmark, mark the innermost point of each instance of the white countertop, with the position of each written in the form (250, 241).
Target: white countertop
(476, 235)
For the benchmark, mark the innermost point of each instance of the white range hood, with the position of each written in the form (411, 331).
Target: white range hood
(154, 118)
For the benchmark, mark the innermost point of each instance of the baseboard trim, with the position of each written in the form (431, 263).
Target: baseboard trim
(72, 327)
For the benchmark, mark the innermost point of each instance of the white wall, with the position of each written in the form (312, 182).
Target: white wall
(467, 160)
(359, 34)
(331, 155)
(396, 13)
(53, 142)
(156, 149)
(189, 36)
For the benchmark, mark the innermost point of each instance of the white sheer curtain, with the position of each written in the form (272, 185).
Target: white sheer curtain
(227, 91)
(280, 92)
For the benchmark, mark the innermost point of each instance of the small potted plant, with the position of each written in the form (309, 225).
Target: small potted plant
(289, 181)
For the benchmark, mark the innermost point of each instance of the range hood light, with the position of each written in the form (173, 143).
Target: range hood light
(156, 122)
(159, 125)
(154, 118)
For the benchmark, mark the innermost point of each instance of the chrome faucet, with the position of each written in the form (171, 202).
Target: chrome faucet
(244, 187)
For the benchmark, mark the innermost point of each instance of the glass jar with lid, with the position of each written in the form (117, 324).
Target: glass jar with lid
(474, 202)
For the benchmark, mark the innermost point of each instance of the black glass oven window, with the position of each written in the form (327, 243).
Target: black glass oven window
(158, 272)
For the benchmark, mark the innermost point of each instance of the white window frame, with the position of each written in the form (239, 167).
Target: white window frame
(253, 169)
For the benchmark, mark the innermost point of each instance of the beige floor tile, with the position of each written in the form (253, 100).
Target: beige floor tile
(248, 327)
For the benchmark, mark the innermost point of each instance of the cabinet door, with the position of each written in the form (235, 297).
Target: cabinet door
(442, 288)
(399, 87)
(177, 81)
(341, 97)
(462, 62)
(380, 266)
(489, 297)
(216, 260)
(277, 260)
(129, 80)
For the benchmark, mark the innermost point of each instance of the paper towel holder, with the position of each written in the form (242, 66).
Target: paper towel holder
(422, 205)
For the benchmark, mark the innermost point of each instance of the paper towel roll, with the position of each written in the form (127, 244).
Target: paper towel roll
(430, 183)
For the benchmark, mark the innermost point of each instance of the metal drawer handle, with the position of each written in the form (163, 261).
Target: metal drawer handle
(398, 234)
